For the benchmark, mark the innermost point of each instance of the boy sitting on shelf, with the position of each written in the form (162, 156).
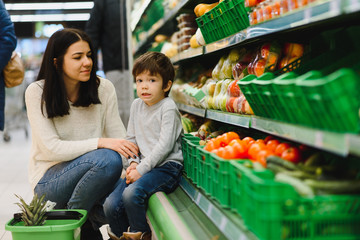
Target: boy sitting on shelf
(155, 126)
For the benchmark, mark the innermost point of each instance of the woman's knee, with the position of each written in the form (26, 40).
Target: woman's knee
(110, 160)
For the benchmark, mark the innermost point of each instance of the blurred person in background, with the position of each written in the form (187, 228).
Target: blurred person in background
(7, 46)
(107, 28)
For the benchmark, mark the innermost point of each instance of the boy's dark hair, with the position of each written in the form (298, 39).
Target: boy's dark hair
(54, 93)
(155, 63)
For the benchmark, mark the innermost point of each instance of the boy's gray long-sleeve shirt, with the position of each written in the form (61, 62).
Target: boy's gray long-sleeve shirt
(157, 130)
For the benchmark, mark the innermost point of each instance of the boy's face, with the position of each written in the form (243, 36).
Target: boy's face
(149, 88)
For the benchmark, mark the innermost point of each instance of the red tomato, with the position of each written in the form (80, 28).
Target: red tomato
(239, 148)
(268, 138)
(272, 144)
(255, 148)
(281, 148)
(292, 154)
(262, 155)
(248, 141)
(210, 145)
(226, 152)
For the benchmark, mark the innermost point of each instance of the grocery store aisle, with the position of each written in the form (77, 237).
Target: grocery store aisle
(14, 177)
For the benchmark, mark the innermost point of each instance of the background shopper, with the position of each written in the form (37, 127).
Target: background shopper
(7, 46)
(107, 28)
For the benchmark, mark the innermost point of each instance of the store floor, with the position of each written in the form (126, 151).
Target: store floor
(14, 177)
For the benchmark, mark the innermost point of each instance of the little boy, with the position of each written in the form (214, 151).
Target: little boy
(155, 126)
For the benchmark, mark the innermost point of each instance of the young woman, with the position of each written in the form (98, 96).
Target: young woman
(77, 134)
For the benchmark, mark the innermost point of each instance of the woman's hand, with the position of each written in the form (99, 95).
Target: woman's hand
(122, 146)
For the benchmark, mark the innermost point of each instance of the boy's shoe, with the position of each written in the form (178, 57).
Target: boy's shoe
(113, 236)
(137, 235)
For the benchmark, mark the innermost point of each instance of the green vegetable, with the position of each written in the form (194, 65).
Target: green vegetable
(299, 185)
(281, 162)
(334, 186)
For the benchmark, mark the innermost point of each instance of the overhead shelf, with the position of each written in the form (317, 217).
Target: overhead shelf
(304, 17)
(137, 13)
(337, 143)
(325, 140)
(158, 25)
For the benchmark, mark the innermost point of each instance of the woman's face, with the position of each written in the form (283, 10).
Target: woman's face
(77, 63)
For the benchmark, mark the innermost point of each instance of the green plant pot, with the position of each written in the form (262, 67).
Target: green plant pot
(54, 229)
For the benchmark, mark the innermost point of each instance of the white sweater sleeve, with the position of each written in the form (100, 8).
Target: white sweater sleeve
(47, 144)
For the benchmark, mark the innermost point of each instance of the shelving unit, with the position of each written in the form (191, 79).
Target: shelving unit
(321, 14)
(337, 143)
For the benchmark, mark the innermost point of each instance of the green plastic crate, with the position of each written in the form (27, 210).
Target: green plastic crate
(275, 211)
(68, 229)
(204, 171)
(335, 98)
(239, 170)
(220, 179)
(189, 148)
(263, 86)
(227, 18)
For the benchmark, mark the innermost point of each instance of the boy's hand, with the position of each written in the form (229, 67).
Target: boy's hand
(132, 176)
(122, 146)
(131, 167)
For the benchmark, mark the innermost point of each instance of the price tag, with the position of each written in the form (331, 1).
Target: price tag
(319, 139)
(335, 7)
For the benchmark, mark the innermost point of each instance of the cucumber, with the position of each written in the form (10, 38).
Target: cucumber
(299, 185)
(297, 173)
(334, 186)
(282, 162)
(314, 160)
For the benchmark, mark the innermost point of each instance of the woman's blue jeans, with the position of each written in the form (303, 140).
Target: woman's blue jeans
(82, 182)
(126, 205)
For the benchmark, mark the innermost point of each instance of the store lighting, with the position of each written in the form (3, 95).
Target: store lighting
(49, 6)
(50, 17)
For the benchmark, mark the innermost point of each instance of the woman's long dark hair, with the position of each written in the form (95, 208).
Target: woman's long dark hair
(54, 93)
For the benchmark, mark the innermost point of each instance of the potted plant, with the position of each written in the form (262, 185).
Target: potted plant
(36, 222)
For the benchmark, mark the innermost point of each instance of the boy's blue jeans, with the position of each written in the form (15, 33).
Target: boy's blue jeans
(126, 205)
(82, 182)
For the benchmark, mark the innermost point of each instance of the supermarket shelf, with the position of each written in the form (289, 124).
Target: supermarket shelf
(187, 54)
(354, 144)
(305, 17)
(329, 141)
(312, 13)
(136, 14)
(230, 118)
(225, 117)
(337, 143)
(193, 110)
(230, 225)
(159, 24)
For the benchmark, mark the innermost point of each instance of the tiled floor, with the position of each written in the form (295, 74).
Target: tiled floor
(13, 177)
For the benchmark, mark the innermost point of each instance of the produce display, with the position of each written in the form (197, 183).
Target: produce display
(280, 188)
(263, 10)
